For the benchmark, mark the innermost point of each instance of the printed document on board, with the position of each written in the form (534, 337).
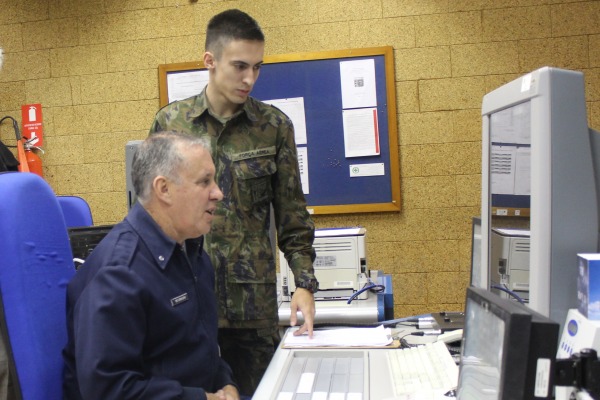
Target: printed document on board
(303, 165)
(181, 85)
(358, 83)
(294, 109)
(361, 132)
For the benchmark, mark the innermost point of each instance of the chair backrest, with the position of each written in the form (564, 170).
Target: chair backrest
(76, 210)
(35, 268)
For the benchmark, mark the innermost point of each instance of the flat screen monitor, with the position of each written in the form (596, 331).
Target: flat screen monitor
(536, 156)
(84, 240)
(508, 350)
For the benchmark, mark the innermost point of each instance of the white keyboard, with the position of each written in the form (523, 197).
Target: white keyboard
(326, 375)
(422, 369)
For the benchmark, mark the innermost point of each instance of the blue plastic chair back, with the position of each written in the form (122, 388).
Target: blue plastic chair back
(35, 268)
(76, 211)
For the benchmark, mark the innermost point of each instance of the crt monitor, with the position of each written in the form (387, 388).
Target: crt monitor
(508, 350)
(536, 155)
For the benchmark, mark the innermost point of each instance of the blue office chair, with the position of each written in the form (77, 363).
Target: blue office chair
(76, 210)
(35, 267)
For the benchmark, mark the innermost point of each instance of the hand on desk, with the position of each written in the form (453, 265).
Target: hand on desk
(303, 301)
(229, 392)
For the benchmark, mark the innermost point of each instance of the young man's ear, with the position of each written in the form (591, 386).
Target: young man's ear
(209, 60)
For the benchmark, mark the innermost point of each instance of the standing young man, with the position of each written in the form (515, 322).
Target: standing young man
(255, 156)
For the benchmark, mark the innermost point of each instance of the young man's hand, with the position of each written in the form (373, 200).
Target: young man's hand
(304, 301)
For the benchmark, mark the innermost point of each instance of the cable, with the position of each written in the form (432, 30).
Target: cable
(370, 285)
(510, 292)
(349, 324)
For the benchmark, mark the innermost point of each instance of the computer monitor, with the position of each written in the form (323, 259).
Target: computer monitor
(508, 350)
(84, 240)
(536, 153)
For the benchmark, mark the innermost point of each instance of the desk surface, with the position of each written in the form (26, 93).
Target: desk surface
(380, 383)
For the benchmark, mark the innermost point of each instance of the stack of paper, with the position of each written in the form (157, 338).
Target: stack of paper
(343, 337)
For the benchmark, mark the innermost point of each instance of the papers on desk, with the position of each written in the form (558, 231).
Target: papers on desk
(342, 337)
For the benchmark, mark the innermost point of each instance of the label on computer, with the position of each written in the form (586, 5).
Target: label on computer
(542, 377)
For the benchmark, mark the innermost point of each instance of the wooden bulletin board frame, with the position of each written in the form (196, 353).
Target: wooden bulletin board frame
(315, 76)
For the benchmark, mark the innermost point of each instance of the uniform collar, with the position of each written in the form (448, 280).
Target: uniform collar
(200, 106)
(158, 243)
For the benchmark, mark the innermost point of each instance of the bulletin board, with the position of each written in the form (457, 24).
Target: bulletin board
(334, 187)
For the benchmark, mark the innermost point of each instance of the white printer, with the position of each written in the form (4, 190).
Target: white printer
(509, 264)
(340, 265)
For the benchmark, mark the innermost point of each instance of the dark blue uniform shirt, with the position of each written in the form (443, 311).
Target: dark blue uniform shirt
(142, 318)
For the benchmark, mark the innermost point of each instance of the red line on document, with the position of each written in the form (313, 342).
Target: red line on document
(376, 131)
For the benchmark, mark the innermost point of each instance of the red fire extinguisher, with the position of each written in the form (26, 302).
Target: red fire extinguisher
(34, 162)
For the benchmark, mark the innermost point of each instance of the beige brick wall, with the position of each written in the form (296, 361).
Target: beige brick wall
(93, 66)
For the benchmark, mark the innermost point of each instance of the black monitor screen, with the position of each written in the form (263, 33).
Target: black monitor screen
(495, 344)
(85, 239)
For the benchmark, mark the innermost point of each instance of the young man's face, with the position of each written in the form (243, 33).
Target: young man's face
(233, 74)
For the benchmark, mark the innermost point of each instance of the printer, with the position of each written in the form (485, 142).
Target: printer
(340, 265)
(509, 266)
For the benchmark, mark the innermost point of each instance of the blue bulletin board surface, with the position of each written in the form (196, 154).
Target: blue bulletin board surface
(315, 77)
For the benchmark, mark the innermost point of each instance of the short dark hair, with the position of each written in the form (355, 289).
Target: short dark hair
(231, 25)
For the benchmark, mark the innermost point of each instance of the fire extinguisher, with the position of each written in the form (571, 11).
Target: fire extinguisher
(34, 162)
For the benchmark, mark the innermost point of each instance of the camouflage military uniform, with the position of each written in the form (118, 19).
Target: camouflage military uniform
(255, 158)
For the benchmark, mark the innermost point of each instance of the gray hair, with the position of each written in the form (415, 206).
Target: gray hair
(160, 155)
(1, 57)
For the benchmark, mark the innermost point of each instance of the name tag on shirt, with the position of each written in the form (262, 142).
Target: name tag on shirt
(182, 298)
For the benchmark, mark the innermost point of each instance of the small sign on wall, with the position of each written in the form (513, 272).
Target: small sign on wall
(31, 115)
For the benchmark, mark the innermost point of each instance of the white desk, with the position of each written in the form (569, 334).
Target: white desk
(272, 379)
(380, 384)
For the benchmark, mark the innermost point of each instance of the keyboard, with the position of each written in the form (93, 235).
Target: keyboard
(326, 375)
(427, 368)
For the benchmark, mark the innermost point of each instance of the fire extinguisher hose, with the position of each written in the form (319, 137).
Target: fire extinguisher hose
(23, 167)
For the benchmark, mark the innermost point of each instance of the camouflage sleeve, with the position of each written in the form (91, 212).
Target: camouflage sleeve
(295, 227)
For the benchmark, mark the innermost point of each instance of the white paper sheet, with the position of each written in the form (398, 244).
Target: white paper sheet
(358, 83)
(303, 165)
(372, 169)
(361, 132)
(344, 337)
(294, 109)
(182, 85)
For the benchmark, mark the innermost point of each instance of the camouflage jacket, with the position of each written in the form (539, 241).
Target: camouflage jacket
(256, 162)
